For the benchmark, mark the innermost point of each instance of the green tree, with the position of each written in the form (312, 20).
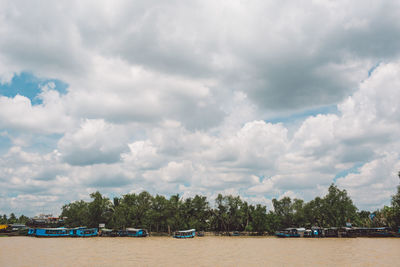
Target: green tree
(76, 214)
(23, 219)
(364, 219)
(202, 212)
(3, 219)
(395, 219)
(273, 222)
(119, 218)
(159, 214)
(284, 210)
(338, 207)
(298, 212)
(175, 216)
(220, 214)
(314, 212)
(258, 221)
(99, 210)
(12, 219)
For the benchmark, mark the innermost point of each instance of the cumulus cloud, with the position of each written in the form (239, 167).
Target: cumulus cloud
(18, 113)
(96, 141)
(175, 98)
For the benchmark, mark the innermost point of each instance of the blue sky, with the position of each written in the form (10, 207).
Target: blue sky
(27, 84)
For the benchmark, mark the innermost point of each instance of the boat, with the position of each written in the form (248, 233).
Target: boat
(380, 232)
(235, 233)
(108, 232)
(288, 232)
(185, 233)
(49, 232)
(200, 233)
(307, 233)
(133, 232)
(83, 232)
(331, 232)
(3, 227)
(63, 232)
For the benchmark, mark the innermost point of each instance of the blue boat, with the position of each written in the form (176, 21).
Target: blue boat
(185, 234)
(133, 232)
(381, 232)
(83, 232)
(288, 232)
(49, 232)
(235, 233)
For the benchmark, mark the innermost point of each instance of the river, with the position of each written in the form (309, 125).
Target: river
(199, 251)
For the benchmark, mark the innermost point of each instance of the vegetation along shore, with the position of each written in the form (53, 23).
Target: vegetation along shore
(228, 214)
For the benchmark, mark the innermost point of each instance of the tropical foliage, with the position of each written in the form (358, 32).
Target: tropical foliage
(228, 213)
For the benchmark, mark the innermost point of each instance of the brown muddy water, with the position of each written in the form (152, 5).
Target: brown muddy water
(199, 251)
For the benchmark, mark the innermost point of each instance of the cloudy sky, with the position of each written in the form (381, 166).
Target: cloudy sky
(261, 99)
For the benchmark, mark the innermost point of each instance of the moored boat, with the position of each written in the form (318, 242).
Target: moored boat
(235, 233)
(185, 234)
(84, 232)
(288, 232)
(382, 232)
(108, 232)
(331, 232)
(49, 232)
(133, 232)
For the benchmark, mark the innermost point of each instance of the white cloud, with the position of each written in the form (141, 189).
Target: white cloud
(174, 97)
(18, 113)
(96, 141)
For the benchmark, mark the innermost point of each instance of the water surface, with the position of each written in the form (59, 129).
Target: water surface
(199, 251)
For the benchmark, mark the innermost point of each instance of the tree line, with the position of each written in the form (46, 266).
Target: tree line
(229, 213)
(11, 219)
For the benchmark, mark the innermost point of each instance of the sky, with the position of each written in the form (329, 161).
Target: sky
(262, 99)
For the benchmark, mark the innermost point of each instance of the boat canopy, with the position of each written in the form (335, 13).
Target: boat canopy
(134, 229)
(187, 231)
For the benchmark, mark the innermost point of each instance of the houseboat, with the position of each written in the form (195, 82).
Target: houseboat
(331, 232)
(108, 232)
(200, 233)
(83, 232)
(235, 233)
(307, 233)
(288, 232)
(133, 232)
(49, 232)
(381, 232)
(185, 234)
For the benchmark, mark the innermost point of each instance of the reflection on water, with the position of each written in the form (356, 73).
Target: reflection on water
(200, 251)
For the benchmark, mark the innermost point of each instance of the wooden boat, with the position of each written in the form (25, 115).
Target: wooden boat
(200, 233)
(235, 233)
(185, 234)
(307, 233)
(288, 232)
(3, 227)
(380, 232)
(108, 232)
(133, 232)
(331, 232)
(49, 232)
(83, 232)
(63, 232)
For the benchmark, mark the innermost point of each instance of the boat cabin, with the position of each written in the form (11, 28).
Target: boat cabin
(49, 232)
(288, 232)
(185, 234)
(133, 232)
(84, 232)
